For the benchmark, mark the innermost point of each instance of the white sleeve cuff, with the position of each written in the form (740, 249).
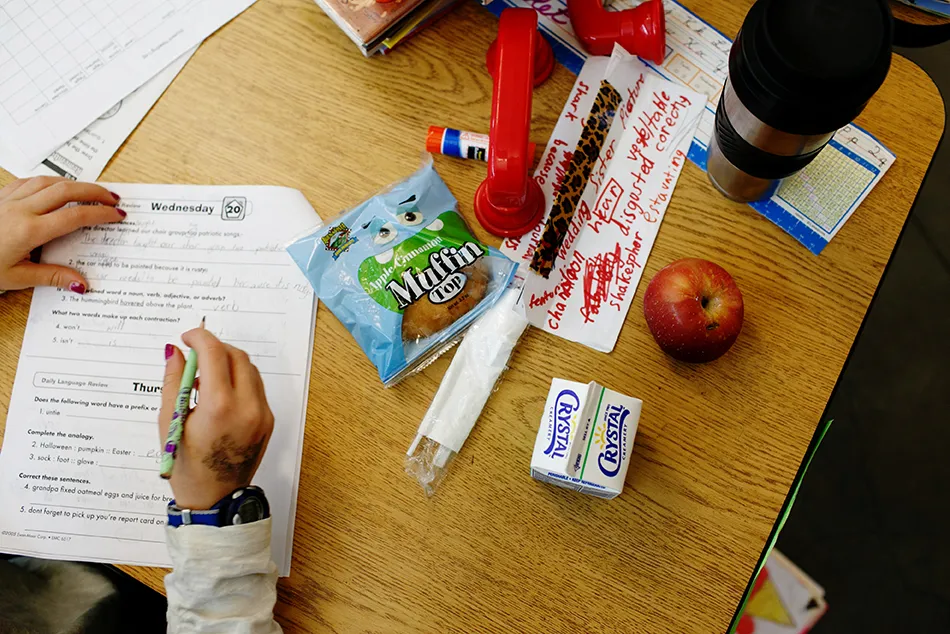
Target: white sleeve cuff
(223, 579)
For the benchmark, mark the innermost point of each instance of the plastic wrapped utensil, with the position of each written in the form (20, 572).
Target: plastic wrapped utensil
(481, 358)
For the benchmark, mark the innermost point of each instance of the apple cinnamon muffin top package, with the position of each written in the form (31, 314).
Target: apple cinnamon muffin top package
(403, 273)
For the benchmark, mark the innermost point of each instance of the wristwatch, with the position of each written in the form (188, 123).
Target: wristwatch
(244, 506)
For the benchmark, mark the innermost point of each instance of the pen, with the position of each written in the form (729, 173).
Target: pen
(177, 425)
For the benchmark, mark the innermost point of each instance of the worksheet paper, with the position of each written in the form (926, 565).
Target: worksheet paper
(811, 205)
(80, 458)
(588, 293)
(64, 63)
(85, 155)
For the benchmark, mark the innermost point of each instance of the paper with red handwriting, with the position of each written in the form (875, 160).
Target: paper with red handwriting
(588, 294)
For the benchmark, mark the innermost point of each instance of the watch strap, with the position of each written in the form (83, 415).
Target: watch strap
(224, 513)
(185, 517)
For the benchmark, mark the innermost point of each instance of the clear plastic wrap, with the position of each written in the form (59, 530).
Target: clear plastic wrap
(403, 273)
(468, 383)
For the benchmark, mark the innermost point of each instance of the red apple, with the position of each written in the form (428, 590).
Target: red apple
(694, 310)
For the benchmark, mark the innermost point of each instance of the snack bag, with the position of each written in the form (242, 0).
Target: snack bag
(403, 273)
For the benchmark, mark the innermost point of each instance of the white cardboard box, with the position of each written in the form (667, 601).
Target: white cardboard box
(586, 438)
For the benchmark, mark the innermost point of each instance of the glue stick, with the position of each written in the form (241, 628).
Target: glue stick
(452, 142)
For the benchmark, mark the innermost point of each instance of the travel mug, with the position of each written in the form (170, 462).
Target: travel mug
(798, 71)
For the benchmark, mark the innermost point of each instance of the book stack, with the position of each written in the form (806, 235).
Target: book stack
(378, 27)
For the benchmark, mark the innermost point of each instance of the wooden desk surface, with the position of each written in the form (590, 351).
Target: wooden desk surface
(280, 96)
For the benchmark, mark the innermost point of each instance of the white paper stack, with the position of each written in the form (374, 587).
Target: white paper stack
(77, 77)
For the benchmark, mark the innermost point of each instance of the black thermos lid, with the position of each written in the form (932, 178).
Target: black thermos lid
(810, 66)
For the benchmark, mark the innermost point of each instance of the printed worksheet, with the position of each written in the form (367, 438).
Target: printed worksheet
(80, 458)
(65, 62)
(811, 205)
(85, 155)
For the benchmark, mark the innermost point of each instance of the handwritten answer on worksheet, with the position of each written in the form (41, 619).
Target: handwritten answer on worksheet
(79, 467)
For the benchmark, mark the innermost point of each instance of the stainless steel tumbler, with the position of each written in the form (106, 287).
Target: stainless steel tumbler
(798, 71)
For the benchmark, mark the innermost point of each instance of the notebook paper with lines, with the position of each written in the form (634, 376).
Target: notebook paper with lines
(79, 465)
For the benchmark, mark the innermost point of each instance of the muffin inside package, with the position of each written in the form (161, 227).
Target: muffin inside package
(403, 273)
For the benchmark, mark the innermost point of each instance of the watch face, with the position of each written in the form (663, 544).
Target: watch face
(251, 510)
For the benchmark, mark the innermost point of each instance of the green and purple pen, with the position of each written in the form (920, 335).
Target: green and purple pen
(182, 406)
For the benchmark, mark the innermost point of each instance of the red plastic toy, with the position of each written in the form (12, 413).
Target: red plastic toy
(543, 60)
(510, 203)
(641, 30)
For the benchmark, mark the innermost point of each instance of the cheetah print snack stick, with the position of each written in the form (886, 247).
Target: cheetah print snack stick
(575, 178)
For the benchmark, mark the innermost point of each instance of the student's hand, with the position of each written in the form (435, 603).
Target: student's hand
(226, 433)
(32, 212)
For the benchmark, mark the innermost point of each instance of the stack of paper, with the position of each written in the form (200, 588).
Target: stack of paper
(79, 468)
(77, 77)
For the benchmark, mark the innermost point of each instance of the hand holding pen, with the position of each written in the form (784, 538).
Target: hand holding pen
(226, 434)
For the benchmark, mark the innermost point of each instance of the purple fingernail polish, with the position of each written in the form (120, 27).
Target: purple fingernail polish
(122, 212)
(116, 196)
(169, 351)
(175, 416)
(170, 448)
(77, 287)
